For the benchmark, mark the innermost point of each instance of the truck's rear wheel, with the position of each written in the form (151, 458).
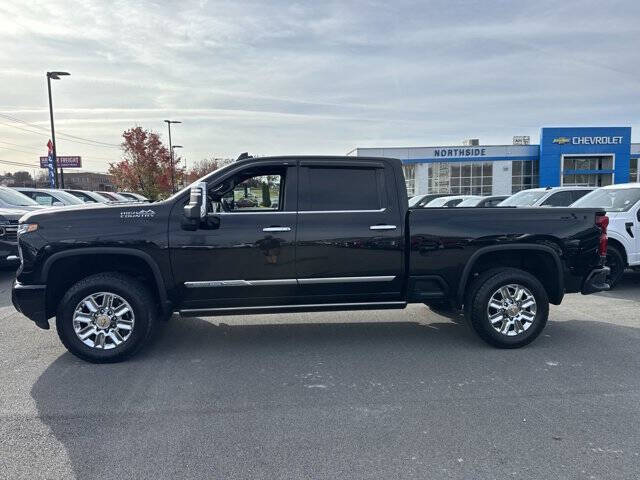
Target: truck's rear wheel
(508, 308)
(105, 317)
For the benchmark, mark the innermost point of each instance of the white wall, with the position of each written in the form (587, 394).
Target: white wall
(502, 180)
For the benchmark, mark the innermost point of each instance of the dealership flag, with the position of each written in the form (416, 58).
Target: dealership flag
(52, 174)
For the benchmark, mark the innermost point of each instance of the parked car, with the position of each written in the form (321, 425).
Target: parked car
(88, 196)
(450, 200)
(622, 204)
(50, 197)
(8, 235)
(482, 202)
(336, 241)
(546, 197)
(419, 201)
(10, 198)
(136, 197)
(114, 197)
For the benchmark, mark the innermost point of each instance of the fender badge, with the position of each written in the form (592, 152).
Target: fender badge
(138, 214)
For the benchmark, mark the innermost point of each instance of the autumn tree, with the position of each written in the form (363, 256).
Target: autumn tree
(145, 167)
(205, 166)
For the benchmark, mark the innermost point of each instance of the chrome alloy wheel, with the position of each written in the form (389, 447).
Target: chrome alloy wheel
(103, 320)
(511, 310)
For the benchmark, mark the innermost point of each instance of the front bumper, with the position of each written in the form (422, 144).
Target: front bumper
(30, 300)
(596, 281)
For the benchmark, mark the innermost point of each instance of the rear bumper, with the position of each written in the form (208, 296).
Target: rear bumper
(30, 300)
(596, 281)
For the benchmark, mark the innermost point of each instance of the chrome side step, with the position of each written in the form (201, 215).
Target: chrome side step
(190, 312)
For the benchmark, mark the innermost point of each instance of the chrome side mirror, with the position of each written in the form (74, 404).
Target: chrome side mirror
(196, 210)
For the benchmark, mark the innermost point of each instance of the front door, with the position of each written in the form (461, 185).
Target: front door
(350, 231)
(244, 253)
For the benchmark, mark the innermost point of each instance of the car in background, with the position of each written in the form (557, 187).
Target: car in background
(10, 198)
(546, 197)
(482, 202)
(449, 200)
(9, 218)
(88, 196)
(622, 204)
(136, 197)
(50, 197)
(114, 197)
(419, 201)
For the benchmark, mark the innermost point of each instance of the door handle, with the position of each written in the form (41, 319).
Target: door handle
(276, 229)
(382, 227)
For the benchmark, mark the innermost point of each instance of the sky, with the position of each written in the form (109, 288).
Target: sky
(318, 77)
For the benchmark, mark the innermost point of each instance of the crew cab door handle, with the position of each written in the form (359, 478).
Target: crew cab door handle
(382, 227)
(276, 229)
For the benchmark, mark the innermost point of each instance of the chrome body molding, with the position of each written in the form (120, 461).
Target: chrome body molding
(285, 281)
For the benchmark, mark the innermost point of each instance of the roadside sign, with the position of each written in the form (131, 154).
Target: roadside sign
(64, 162)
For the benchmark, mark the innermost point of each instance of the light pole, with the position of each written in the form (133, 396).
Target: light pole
(173, 178)
(173, 156)
(54, 76)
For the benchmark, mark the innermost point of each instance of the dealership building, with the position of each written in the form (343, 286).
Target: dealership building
(583, 156)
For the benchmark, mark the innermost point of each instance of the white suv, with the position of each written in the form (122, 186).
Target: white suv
(546, 197)
(622, 204)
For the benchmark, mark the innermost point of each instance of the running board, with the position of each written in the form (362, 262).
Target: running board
(312, 307)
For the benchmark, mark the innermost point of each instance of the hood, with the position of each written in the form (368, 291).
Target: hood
(12, 214)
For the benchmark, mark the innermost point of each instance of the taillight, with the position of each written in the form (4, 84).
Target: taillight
(602, 221)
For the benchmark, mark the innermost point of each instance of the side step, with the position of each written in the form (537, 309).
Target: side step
(316, 307)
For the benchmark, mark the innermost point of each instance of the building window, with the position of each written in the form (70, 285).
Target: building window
(524, 175)
(581, 171)
(410, 179)
(474, 178)
(633, 170)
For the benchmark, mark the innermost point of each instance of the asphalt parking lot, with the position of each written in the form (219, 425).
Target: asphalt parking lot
(390, 394)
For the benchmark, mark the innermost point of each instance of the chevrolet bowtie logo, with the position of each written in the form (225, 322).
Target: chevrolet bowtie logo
(562, 140)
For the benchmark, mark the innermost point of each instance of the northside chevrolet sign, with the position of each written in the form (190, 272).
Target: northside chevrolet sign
(615, 140)
(460, 152)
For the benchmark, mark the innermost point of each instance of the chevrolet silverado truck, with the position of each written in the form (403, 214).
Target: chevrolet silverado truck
(320, 233)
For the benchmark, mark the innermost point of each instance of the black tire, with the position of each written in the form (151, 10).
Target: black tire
(615, 261)
(480, 293)
(131, 290)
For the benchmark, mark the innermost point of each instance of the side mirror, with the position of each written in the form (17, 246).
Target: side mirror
(196, 210)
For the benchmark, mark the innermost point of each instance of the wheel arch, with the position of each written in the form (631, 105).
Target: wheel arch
(614, 242)
(510, 256)
(125, 260)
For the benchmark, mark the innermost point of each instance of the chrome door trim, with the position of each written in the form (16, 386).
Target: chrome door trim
(276, 229)
(240, 283)
(311, 281)
(343, 211)
(308, 305)
(285, 281)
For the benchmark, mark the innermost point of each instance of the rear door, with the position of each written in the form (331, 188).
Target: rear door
(350, 230)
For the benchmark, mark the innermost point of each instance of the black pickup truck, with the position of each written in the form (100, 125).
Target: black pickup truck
(298, 234)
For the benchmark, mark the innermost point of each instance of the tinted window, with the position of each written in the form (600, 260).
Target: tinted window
(342, 189)
(559, 199)
(578, 194)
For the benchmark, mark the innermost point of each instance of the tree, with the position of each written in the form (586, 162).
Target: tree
(22, 179)
(205, 166)
(146, 165)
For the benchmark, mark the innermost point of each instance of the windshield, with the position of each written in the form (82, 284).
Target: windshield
(470, 202)
(439, 202)
(413, 201)
(12, 197)
(525, 198)
(612, 200)
(68, 198)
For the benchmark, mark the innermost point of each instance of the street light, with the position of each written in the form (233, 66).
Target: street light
(173, 178)
(54, 76)
(173, 156)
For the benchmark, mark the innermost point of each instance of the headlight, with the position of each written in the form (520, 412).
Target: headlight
(27, 227)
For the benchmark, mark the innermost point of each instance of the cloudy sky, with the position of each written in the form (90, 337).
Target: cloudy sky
(278, 77)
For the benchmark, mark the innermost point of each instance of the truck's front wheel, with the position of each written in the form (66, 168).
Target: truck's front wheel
(106, 317)
(508, 308)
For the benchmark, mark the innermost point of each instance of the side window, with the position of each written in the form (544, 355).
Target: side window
(559, 199)
(578, 194)
(252, 190)
(342, 188)
(43, 198)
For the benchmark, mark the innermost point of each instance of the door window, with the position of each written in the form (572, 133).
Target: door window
(342, 188)
(560, 199)
(253, 190)
(44, 198)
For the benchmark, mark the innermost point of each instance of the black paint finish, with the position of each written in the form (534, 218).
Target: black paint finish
(431, 253)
